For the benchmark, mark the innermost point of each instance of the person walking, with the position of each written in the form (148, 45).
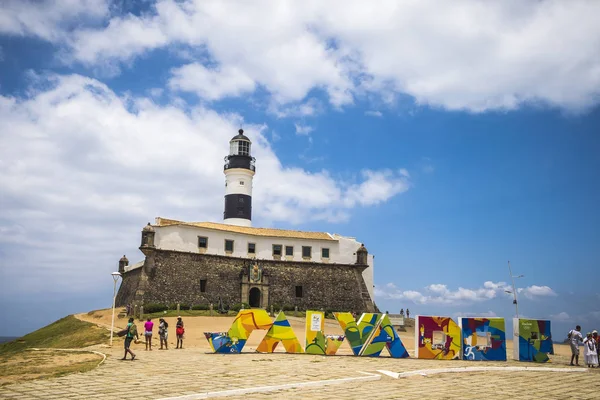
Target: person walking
(590, 353)
(179, 331)
(163, 333)
(148, 333)
(131, 333)
(574, 338)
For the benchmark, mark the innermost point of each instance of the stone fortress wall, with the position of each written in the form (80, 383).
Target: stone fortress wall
(168, 277)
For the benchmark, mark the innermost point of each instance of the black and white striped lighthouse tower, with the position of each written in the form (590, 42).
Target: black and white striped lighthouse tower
(239, 170)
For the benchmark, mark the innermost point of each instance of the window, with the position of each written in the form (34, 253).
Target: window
(239, 148)
(241, 183)
(244, 148)
(202, 285)
(277, 250)
(298, 291)
(240, 200)
(289, 251)
(306, 252)
(202, 242)
(438, 340)
(324, 253)
(229, 246)
(251, 248)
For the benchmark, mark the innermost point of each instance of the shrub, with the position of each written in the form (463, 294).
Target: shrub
(182, 306)
(153, 308)
(201, 307)
(236, 307)
(288, 307)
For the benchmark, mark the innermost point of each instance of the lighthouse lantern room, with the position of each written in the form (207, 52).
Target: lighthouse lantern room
(239, 170)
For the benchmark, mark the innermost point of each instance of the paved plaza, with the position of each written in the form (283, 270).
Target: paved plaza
(193, 374)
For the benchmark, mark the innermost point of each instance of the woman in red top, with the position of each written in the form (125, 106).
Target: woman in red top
(148, 333)
(179, 331)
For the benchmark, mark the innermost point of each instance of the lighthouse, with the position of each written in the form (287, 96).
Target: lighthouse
(239, 170)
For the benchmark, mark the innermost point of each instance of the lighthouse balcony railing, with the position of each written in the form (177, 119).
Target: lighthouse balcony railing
(240, 162)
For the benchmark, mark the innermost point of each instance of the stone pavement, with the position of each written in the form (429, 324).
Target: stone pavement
(190, 372)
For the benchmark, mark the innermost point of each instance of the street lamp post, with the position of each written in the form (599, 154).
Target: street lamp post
(514, 290)
(115, 276)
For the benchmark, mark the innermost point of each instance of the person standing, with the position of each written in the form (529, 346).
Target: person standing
(574, 338)
(590, 353)
(131, 333)
(148, 333)
(407, 313)
(163, 333)
(179, 331)
(597, 339)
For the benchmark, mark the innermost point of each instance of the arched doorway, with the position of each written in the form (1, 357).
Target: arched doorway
(254, 297)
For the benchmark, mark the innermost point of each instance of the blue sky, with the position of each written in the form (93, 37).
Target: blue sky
(447, 138)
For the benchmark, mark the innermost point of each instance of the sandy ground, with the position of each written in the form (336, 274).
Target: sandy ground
(196, 326)
(29, 365)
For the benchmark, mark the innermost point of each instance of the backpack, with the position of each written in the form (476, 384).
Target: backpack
(180, 331)
(132, 330)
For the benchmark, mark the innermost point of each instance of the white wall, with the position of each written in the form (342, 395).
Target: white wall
(234, 176)
(347, 255)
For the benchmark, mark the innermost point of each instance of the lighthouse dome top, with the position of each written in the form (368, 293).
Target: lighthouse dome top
(240, 136)
(240, 145)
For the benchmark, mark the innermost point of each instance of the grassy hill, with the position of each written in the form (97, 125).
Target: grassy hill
(66, 333)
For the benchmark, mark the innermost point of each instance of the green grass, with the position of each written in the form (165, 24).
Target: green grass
(67, 333)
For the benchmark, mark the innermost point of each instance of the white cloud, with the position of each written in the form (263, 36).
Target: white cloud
(484, 314)
(374, 113)
(303, 130)
(476, 56)
(211, 84)
(309, 108)
(536, 291)
(440, 294)
(377, 187)
(47, 20)
(82, 169)
(561, 317)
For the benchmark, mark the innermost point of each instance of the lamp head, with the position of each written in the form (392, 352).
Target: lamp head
(116, 274)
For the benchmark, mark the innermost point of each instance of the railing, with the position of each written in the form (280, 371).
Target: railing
(240, 162)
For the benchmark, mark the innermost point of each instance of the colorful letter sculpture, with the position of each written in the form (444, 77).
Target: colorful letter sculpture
(281, 331)
(384, 336)
(437, 338)
(372, 333)
(477, 339)
(350, 328)
(532, 340)
(356, 333)
(315, 338)
(483, 339)
(219, 341)
(245, 322)
(333, 343)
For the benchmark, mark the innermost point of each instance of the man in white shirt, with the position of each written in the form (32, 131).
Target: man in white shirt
(574, 338)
